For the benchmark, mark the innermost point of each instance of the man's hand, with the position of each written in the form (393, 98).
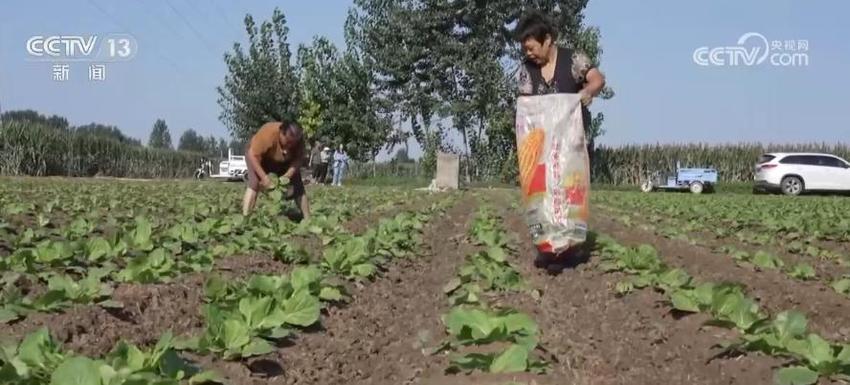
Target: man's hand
(265, 182)
(289, 191)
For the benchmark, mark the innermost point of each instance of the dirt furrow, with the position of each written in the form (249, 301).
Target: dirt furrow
(826, 310)
(151, 309)
(379, 336)
(827, 270)
(599, 338)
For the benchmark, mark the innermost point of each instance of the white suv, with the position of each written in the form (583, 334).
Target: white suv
(794, 173)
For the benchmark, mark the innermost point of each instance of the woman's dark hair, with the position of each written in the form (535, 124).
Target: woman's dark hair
(535, 24)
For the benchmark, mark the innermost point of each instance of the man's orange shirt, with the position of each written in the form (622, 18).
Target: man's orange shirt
(266, 145)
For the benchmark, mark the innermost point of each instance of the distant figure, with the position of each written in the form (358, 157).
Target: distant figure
(340, 164)
(325, 161)
(315, 160)
(278, 147)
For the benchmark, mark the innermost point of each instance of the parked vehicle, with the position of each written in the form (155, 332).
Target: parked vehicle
(697, 180)
(798, 172)
(234, 168)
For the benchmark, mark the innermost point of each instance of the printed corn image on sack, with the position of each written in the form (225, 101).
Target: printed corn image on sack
(554, 170)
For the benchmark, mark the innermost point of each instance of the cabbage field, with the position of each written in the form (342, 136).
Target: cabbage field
(165, 282)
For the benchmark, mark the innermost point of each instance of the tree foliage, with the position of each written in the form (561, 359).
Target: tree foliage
(315, 82)
(261, 82)
(410, 68)
(337, 99)
(353, 116)
(453, 61)
(191, 141)
(160, 136)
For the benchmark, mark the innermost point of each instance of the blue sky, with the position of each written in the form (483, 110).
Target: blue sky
(662, 95)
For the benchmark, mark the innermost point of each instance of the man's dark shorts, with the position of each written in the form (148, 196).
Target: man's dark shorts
(296, 184)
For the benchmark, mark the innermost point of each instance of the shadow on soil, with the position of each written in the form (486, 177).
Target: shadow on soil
(293, 214)
(571, 259)
(265, 368)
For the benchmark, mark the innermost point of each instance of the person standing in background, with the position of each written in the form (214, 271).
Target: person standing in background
(325, 160)
(315, 160)
(340, 164)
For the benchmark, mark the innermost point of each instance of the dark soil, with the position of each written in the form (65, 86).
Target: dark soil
(827, 270)
(247, 265)
(599, 338)
(589, 335)
(378, 337)
(826, 310)
(149, 310)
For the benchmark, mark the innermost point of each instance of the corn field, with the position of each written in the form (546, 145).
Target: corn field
(39, 150)
(628, 164)
(734, 162)
(365, 170)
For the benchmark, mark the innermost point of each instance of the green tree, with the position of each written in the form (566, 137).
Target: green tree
(315, 80)
(261, 83)
(338, 100)
(399, 39)
(211, 146)
(353, 114)
(191, 141)
(160, 136)
(453, 61)
(237, 146)
(222, 147)
(401, 156)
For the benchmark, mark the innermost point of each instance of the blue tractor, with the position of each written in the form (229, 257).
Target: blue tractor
(697, 180)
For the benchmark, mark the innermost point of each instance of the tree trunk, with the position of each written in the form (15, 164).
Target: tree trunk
(480, 130)
(468, 162)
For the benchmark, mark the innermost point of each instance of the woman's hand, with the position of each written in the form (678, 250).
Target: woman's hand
(586, 98)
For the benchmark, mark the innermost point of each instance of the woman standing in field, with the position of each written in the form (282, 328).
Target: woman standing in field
(549, 69)
(340, 164)
(278, 147)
